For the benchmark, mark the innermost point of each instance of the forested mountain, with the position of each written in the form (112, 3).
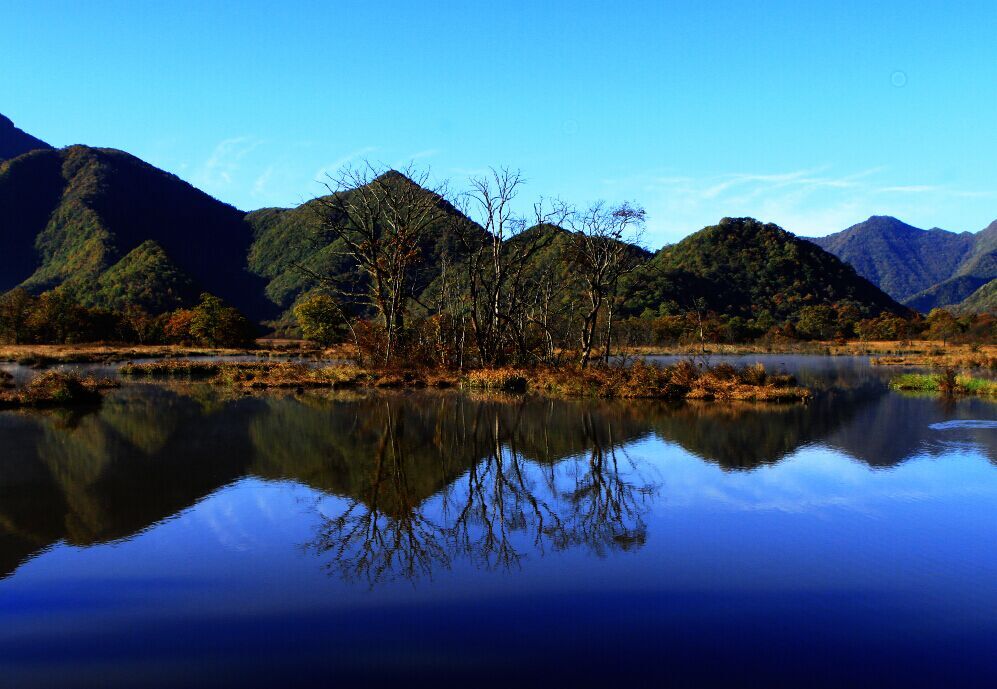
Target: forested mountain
(983, 300)
(979, 268)
(289, 249)
(902, 260)
(922, 268)
(112, 230)
(742, 267)
(14, 142)
(102, 223)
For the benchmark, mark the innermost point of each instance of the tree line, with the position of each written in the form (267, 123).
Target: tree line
(417, 275)
(540, 288)
(55, 317)
(509, 289)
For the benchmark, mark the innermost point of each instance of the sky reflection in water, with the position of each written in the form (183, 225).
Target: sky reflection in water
(177, 536)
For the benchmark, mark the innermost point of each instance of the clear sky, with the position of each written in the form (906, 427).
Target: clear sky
(810, 117)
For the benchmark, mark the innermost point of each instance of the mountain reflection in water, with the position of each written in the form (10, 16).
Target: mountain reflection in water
(182, 536)
(150, 452)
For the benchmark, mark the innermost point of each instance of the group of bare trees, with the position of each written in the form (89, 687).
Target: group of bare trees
(506, 286)
(380, 221)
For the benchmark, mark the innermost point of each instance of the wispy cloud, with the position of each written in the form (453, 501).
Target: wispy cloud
(326, 170)
(811, 201)
(261, 184)
(418, 155)
(225, 162)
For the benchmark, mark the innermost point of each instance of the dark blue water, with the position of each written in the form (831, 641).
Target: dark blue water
(180, 537)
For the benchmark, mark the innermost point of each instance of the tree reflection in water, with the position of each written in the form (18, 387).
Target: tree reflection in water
(501, 509)
(421, 480)
(376, 538)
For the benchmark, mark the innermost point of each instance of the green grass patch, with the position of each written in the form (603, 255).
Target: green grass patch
(935, 382)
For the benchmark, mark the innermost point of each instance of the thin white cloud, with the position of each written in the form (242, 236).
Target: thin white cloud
(811, 201)
(262, 182)
(428, 153)
(335, 165)
(225, 162)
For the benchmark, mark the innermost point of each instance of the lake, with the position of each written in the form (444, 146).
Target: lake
(183, 536)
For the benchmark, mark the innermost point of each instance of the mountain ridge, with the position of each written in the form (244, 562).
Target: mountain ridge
(745, 267)
(924, 269)
(901, 259)
(71, 214)
(15, 142)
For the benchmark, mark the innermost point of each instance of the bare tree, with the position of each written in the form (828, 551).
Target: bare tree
(603, 250)
(380, 218)
(499, 265)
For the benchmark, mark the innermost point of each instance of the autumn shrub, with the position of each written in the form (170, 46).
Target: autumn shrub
(684, 373)
(503, 379)
(754, 374)
(56, 389)
(171, 367)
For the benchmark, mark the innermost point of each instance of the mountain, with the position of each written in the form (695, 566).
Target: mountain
(983, 300)
(147, 278)
(900, 259)
(744, 267)
(924, 269)
(14, 142)
(104, 225)
(288, 250)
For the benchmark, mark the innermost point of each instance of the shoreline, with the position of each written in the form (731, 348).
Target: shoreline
(682, 381)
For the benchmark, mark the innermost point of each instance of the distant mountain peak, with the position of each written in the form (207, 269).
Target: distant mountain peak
(743, 266)
(14, 142)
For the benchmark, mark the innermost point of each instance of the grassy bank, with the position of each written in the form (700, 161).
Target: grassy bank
(942, 359)
(684, 380)
(100, 353)
(947, 383)
(54, 389)
(883, 351)
(53, 355)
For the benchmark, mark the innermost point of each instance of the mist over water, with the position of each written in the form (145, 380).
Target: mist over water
(182, 536)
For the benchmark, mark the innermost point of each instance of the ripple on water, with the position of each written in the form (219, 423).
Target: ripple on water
(962, 423)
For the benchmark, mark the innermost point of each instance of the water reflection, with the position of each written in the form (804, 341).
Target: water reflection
(509, 499)
(420, 481)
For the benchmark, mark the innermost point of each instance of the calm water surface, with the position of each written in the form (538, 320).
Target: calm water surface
(180, 537)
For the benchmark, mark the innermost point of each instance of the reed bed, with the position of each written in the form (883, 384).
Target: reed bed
(685, 380)
(640, 380)
(56, 389)
(941, 359)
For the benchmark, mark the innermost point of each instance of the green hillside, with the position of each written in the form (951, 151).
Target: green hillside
(744, 267)
(288, 249)
(924, 269)
(983, 300)
(69, 216)
(147, 278)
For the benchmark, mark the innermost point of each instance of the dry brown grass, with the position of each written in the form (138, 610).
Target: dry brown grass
(877, 348)
(942, 358)
(45, 355)
(283, 374)
(640, 380)
(56, 389)
(684, 380)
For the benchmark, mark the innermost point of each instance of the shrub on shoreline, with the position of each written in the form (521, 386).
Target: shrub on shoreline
(56, 389)
(639, 380)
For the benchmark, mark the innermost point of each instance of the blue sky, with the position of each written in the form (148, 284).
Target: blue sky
(810, 117)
